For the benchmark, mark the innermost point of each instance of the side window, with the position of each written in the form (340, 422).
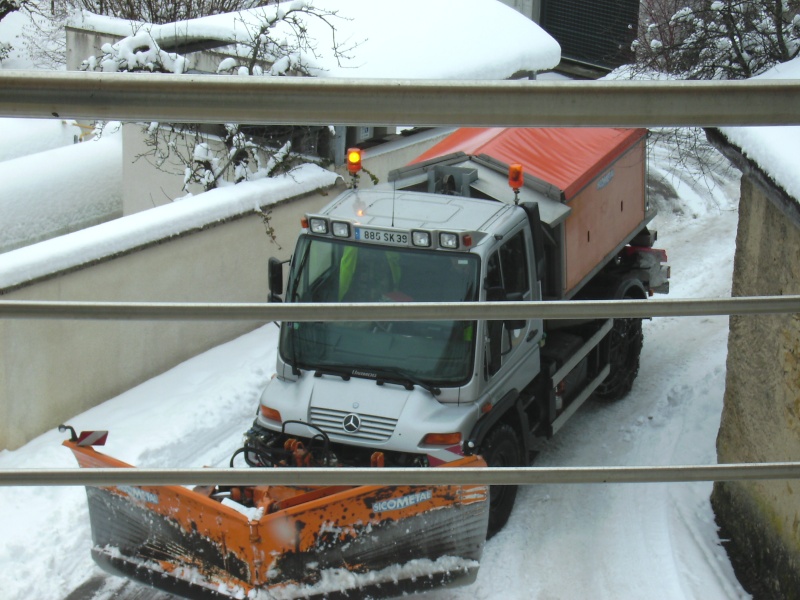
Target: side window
(316, 272)
(320, 260)
(494, 277)
(514, 264)
(507, 269)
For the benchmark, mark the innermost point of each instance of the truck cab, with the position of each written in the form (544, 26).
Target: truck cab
(407, 386)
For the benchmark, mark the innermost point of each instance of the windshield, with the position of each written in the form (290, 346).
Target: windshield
(436, 352)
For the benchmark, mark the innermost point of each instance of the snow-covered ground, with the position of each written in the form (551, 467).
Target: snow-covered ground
(626, 541)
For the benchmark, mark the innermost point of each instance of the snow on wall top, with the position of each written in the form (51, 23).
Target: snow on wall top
(416, 39)
(774, 149)
(134, 231)
(49, 193)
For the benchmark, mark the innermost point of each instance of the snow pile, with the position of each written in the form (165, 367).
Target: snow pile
(774, 149)
(10, 29)
(415, 39)
(23, 137)
(137, 230)
(57, 191)
(338, 580)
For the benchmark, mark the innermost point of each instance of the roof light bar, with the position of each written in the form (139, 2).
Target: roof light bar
(448, 240)
(340, 229)
(318, 225)
(421, 238)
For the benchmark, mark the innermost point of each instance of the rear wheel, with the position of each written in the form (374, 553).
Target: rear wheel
(501, 449)
(625, 340)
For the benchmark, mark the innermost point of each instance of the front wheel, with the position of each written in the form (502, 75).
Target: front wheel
(501, 448)
(625, 348)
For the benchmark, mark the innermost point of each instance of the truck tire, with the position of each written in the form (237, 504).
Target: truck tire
(501, 448)
(624, 352)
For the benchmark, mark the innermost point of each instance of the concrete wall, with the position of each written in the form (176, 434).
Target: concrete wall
(82, 43)
(51, 370)
(144, 185)
(382, 159)
(761, 415)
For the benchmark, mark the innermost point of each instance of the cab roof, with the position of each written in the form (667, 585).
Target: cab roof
(404, 209)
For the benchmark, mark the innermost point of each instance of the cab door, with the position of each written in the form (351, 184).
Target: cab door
(511, 351)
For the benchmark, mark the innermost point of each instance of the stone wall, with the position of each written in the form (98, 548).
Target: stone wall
(761, 414)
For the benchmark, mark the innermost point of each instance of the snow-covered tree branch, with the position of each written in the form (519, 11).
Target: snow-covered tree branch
(270, 40)
(710, 39)
(163, 11)
(6, 8)
(717, 39)
(9, 6)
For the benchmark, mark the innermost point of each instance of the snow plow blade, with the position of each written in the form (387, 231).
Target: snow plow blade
(270, 542)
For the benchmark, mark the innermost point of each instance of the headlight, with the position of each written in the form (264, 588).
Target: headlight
(421, 238)
(318, 225)
(340, 229)
(448, 240)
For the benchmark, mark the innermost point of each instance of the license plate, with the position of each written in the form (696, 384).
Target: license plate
(376, 236)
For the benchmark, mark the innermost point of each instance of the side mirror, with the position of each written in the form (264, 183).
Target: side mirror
(275, 279)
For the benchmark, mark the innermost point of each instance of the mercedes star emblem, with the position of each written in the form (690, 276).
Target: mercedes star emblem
(351, 423)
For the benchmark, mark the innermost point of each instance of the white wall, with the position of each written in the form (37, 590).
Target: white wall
(51, 370)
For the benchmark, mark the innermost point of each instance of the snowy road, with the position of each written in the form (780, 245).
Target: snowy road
(627, 541)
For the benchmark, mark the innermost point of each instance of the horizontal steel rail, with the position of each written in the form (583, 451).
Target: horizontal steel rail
(404, 476)
(404, 311)
(298, 100)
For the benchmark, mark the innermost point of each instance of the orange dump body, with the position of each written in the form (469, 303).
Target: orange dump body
(290, 542)
(599, 173)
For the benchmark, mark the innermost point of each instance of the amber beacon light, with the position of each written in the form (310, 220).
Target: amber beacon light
(516, 178)
(354, 160)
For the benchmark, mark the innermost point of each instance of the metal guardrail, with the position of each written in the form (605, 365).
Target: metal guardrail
(405, 311)
(313, 101)
(404, 476)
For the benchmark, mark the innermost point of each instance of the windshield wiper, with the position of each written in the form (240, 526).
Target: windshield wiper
(344, 372)
(381, 376)
(407, 380)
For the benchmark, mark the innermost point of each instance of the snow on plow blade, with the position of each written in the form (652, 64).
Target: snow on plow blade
(287, 542)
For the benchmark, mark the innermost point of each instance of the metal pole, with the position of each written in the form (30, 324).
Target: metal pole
(407, 311)
(406, 476)
(297, 100)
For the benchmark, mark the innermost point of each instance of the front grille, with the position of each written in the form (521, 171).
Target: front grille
(373, 428)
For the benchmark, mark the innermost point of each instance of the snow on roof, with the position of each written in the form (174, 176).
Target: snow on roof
(566, 157)
(417, 39)
(141, 229)
(774, 149)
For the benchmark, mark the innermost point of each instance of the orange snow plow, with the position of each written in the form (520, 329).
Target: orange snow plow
(270, 542)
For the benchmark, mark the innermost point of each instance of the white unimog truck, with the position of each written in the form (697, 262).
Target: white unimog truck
(448, 228)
